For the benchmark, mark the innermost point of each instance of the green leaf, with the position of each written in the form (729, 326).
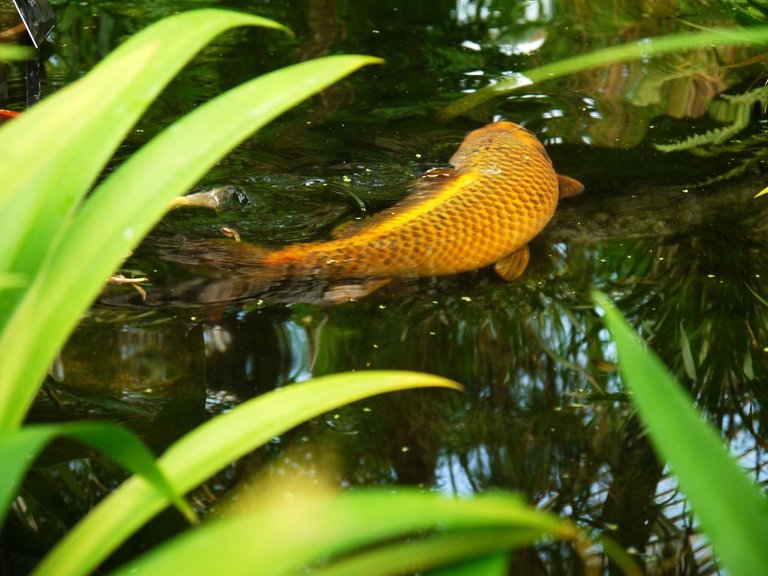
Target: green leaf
(63, 142)
(19, 449)
(314, 529)
(126, 206)
(208, 449)
(643, 48)
(732, 509)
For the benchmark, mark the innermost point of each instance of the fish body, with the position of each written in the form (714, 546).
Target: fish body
(501, 192)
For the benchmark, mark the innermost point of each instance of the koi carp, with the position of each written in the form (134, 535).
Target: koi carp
(501, 192)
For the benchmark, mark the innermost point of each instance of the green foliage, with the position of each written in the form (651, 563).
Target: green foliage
(737, 111)
(56, 221)
(748, 11)
(733, 511)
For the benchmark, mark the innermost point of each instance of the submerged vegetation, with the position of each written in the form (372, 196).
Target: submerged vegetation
(500, 339)
(736, 111)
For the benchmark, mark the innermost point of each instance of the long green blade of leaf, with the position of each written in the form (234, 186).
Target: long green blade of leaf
(732, 510)
(51, 155)
(318, 528)
(208, 449)
(125, 207)
(19, 449)
(643, 48)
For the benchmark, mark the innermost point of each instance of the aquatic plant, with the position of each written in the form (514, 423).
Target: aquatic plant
(736, 110)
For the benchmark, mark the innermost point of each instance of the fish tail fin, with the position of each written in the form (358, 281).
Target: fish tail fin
(223, 270)
(219, 255)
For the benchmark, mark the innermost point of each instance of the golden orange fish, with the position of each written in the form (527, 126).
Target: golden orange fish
(501, 192)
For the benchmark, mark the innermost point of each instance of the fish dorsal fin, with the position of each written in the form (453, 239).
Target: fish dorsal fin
(434, 187)
(569, 186)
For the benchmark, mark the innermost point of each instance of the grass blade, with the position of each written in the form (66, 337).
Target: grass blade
(732, 509)
(208, 449)
(19, 449)
(643, 48)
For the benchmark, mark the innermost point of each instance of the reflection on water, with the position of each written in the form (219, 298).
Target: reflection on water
(544, 411)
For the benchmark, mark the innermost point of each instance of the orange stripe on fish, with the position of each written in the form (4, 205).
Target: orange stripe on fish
(501, 192)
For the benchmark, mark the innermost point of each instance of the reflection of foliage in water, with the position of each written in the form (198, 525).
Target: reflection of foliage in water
(614, 105)
(736, 110)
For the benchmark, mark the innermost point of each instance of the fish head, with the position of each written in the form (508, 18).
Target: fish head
(504, 130)
(495, 137)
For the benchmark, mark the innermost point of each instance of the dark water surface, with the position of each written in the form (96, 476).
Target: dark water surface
(544, 411)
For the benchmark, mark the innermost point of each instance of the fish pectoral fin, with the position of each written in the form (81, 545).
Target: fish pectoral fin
(569, 186)
(512, 266)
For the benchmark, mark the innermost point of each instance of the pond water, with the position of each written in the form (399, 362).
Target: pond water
(675, 238)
